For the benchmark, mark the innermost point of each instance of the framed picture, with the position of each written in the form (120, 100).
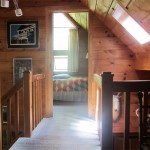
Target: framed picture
(19, 66)
(23, 34)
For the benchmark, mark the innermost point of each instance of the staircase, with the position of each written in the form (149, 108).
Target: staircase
(69, 129)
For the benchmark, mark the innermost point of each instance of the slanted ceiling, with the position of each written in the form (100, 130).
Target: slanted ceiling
(138, 9)
(81, 18)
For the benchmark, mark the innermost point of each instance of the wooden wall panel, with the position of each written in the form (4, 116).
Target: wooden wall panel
(7, 54)
(117, 57)
(143, 61)
(108, 53)
(118, 126)
(113, 53)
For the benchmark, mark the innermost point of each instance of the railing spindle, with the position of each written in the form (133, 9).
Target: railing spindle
(17, 113)
(30, 89)
(0, 119)
(27, 85)
(145, 111)
(106, 105)
(40, 98)
(127, 121)
(36, 103)
(33, 104)
(107, 89)
(9, 121)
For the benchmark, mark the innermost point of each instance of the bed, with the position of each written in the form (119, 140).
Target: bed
(68, 88)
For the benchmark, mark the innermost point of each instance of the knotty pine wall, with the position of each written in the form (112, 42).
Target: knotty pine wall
(38, 55)
(7, 54)
(108, 53)
(41, 56)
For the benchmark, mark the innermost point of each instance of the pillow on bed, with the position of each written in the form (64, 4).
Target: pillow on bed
(61, 76)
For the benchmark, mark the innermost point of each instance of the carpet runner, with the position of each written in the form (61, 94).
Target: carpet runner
(68, 129)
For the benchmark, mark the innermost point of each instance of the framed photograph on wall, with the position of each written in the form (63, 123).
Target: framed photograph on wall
(19, 66)
(22, 34)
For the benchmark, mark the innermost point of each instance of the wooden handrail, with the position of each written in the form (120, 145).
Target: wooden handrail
(106, 86)
(38, 77)
(12, 90)
(23, 102)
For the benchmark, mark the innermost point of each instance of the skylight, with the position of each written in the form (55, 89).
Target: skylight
(131, 25)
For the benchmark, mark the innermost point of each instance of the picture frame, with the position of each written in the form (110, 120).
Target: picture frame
(22, 34)
(19, 66)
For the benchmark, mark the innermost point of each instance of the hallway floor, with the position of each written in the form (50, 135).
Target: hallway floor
(69, 129)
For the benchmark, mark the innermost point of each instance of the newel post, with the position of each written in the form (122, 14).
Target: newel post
(106, 108)
(0, 118)
(27, 95)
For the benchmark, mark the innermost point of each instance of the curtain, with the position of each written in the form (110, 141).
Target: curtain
(73, 55)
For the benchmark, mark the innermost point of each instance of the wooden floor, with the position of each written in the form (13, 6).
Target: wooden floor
(69, 129)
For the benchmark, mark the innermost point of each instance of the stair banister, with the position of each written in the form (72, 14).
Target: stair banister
(106, 108)
(27, 94)
(24, 102)
(105, 91)
(0, 120)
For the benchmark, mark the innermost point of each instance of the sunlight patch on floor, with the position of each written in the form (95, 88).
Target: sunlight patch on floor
(85, 126)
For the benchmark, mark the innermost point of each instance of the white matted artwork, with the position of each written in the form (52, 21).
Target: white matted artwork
(19, 66)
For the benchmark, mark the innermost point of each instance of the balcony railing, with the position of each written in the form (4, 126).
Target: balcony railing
(103, 88)
(22, 108)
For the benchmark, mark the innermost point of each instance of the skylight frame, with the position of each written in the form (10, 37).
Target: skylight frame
(130, 25)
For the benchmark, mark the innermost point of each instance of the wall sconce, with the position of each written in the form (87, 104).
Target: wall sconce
(4, 3)
(18, 11)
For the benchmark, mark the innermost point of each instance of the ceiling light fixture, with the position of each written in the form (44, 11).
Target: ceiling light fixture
(18, 11)
(4, 3)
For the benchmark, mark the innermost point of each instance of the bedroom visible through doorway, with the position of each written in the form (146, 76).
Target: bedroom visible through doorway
(70, 63)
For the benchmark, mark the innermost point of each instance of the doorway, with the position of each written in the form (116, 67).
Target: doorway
(70, 59)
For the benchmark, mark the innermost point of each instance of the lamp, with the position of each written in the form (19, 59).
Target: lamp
(4, 3)
(18, 11)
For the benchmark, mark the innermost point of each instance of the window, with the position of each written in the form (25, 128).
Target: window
(61, 27)
(60, 63)
(131, 25)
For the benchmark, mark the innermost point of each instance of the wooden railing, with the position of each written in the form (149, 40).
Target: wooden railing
(22, 108)
(103, 93)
